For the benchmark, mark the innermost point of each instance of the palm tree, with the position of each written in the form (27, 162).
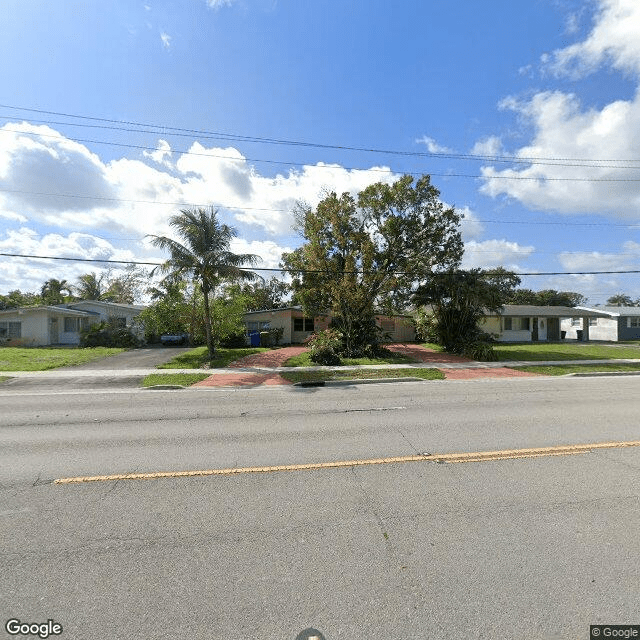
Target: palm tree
(205, 256)
(90, 287)
(51, 291)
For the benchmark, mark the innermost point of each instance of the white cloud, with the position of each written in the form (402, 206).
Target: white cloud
(161, 155)
(599, 261)
(166, 40)
(217, 4)
(490, 146)
(614, 40)
(29, 275)
(564, 130)
(432, 145)
(269, 251)
(494, 253)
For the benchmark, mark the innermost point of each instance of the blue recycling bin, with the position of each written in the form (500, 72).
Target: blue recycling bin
(254, 338)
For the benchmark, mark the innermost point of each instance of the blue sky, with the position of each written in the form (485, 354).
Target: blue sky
(548, 79)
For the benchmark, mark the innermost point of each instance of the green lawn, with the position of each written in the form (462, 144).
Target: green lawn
(198, 357)
(304, 360)
(183, 379)
(4, 378)
(360, 374)
(563, 369)
(558, 351)
(433, 346)
(43, 358)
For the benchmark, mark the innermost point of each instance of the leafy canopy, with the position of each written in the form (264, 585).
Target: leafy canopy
(367, 253)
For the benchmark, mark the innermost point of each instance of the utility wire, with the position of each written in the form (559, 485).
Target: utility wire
(278, 210)
(157, 264)
(164, 129)
(332, 166)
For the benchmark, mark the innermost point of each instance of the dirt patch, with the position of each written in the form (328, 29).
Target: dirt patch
(242, 380)
(423, 354)
(495, 372)
(275, 358)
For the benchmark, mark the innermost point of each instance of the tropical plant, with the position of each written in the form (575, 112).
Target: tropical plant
(205, 256)
(367, 253)
(90, 286)
(52, 290)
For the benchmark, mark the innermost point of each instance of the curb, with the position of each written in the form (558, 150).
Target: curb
(163, 387)
(341, 383)
(596, 374)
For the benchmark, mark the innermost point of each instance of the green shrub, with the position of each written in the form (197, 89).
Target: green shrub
(234, 341)
(480, 350)
(275, 335)
(324, 346)
(106, 335)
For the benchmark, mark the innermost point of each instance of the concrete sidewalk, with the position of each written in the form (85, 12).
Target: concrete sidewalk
(66, 373)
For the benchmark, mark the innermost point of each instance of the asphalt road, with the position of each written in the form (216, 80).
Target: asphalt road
(531, 548)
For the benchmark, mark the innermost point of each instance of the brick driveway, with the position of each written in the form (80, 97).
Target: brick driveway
(424, 354)
(275, 358)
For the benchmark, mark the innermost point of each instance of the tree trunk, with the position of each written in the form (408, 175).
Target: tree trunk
(207, 321)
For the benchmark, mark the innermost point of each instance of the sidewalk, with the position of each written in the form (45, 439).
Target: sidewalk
(67, 373)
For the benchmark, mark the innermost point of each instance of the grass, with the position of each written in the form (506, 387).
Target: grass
(558, 351)
(433, 346)
(198, 358)
(360, 374)
(44, 358)
(304, 360)
(4, 378)
(183, 379)
(563, 369)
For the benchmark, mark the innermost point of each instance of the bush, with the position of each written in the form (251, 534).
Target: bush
(275, 335)
(426, 327)
(105, 335)
(234, 341)
(324, 346)
(480, 350)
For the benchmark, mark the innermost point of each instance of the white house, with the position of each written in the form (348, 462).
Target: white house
(531, 323)
(618, 323)
(61, 324)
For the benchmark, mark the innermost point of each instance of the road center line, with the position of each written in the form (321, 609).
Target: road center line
(474, 456)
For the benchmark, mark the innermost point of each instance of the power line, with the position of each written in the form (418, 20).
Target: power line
(164, 129)
(324, 165)
(279, 210)
(157, 264)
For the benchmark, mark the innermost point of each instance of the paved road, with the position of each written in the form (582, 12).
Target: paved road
(536, 548)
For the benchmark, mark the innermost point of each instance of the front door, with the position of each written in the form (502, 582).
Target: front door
(53, 331)
(534, 331)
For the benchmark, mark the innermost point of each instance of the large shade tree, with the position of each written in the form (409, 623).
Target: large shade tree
(204, 255)
(367, 253)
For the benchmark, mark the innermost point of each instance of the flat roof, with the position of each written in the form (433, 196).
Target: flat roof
(549, 311)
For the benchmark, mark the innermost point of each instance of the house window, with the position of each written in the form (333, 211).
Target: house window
(633, 322)
(253, 326)
(516, 324)
(71, 325)
(388, 325)
(593, 322)
(10, 330)
(576, 322)
(303, 324)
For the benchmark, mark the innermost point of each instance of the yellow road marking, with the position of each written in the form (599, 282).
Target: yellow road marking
(474, 456)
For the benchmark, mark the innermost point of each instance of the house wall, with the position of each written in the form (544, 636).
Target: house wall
(34, 328)
(106, 311)
(493, 325)
(604, 329)
(626, 332)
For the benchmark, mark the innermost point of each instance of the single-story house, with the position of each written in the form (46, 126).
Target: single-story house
(531, 323)
(47, 325)
(619, 323)
(298, 327)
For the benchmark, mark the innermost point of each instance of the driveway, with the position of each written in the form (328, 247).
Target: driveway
(145, 358)
(423, 354)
